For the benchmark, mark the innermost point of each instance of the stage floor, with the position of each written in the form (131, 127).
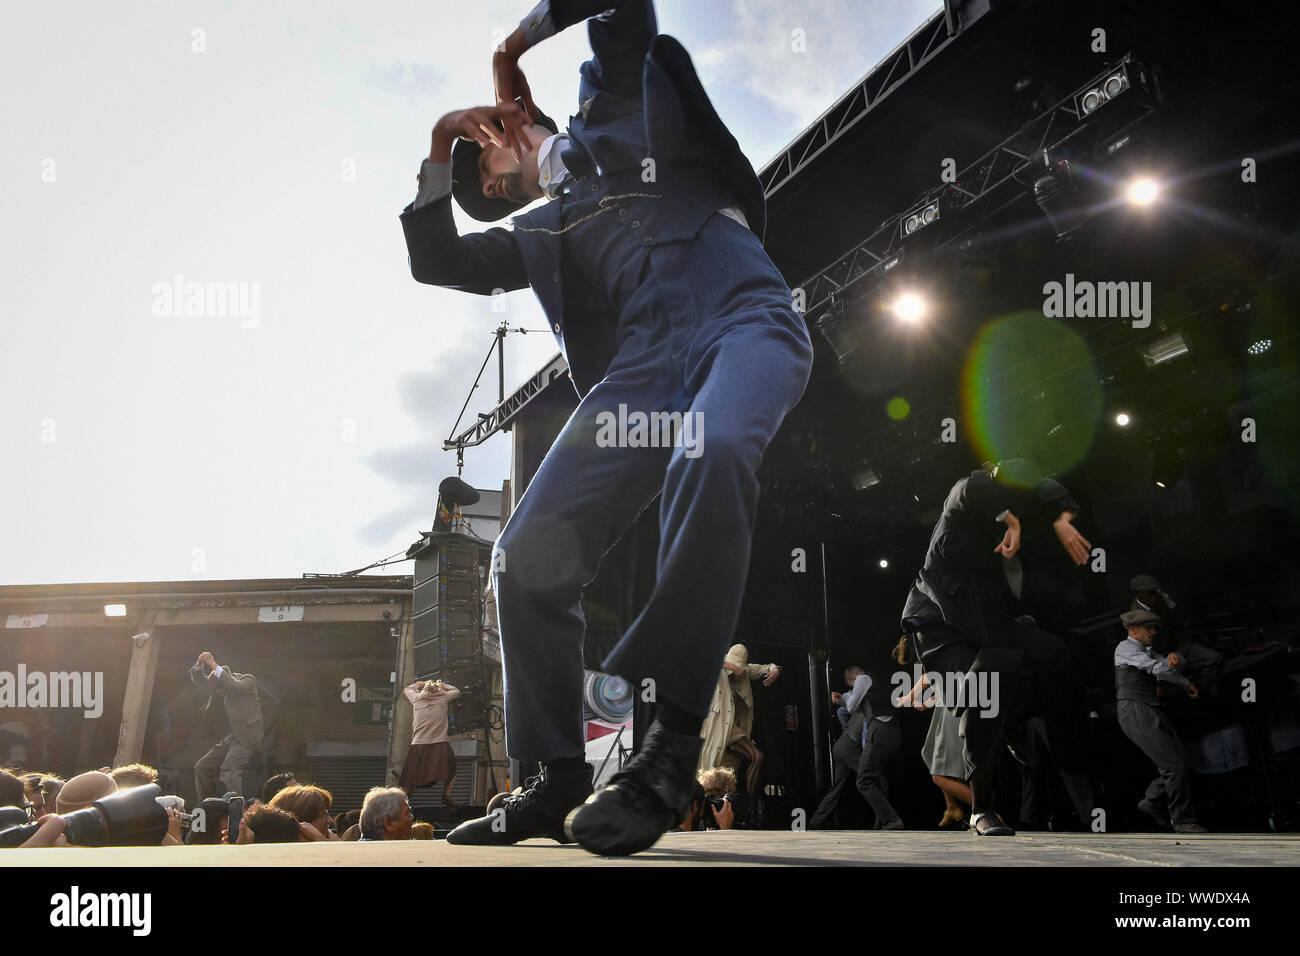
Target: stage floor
(728, 848)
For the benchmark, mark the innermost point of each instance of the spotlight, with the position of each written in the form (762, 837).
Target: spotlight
(884, 563)
(115, 610)
(919, 218)
(1095, 97)
(1260, 347)
(1122, 419)
(909, 307)
(1142, 192)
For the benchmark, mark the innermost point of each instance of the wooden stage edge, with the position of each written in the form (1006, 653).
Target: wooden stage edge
(727, 848)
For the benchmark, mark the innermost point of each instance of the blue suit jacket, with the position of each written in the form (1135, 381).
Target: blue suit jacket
(639, 97)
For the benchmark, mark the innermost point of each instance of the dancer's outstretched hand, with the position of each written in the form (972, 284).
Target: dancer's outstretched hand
(1075, 544)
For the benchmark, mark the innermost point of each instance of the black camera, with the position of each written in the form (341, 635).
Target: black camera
(716, 803)
(127, 818)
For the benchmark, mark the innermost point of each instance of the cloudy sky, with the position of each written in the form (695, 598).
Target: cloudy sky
(267, 149)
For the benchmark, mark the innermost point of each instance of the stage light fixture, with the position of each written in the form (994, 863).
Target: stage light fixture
(884, 563)
(909, 307)
(1165, 349)
(1057, 196)
(1096, 97)
(115, 610)
(1260, 347)
(1122, 419)
(1142, 191)
(920, 217)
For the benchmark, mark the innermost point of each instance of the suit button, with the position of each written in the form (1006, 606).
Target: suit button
(647, 240)
(595, 186)
(582, 179)
(557, 328)
(622, 212)
(636, 223)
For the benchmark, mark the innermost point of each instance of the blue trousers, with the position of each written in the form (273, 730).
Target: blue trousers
(709, 331)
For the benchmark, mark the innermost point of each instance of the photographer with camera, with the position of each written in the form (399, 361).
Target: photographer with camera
(131, 817)
(715, 801)
(228, 760)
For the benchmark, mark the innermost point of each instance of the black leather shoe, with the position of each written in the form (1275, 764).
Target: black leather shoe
(650, 795)
(536, 811)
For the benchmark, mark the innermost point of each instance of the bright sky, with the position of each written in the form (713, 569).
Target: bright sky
(271, 146)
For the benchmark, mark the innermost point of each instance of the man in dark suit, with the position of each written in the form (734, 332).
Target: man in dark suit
(683, 344)
(959, 615)
(227, 760)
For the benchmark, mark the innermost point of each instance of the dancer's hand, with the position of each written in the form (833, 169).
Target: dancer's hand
(478, 123)
(1174, 659)
(835, 697)
(1010, 543)
(1075, 544)
(510, 84)
(772, 675)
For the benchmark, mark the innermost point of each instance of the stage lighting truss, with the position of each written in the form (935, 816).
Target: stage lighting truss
(1001, 176)
(843, 321)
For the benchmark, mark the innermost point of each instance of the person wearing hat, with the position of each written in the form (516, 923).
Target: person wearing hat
(726, 731)
(1140, 675)
(83, 790)
(961, 618)
(1204, 664)
(648, 262)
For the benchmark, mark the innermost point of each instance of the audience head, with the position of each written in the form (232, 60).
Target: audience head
(386, 815)
(718, 781)
(308, 804)
(346, 820)
(49, 790)
(267, 824)
(83, 790)
(277, 783)
(134, 775)
(422, 830)
(13, 790)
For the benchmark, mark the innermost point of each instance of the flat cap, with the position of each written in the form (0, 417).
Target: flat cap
(1139, 616)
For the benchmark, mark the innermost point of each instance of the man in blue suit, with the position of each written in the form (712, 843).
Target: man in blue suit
(687, 354)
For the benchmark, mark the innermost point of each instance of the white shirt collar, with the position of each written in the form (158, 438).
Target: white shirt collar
(551, 171)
